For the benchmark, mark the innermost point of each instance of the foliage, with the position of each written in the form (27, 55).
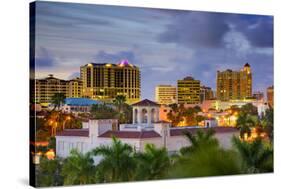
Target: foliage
(103, 111)
(152, 164)
(245, 122)
(57, 100)
(117, 162)
(249, 108)
(267, 123)
(78, 168)
(255, 155)
(200, 140)
(49, 173)
(206, 161)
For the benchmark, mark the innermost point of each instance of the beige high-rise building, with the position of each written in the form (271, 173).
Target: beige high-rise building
(270, 96)
(46, 88)
(188, 91)
(165, 94)
(234, 85)
(75, 88)
(106, 81)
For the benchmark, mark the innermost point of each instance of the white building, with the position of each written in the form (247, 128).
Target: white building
(146, 129)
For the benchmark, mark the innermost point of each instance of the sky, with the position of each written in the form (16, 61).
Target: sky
(167, 45)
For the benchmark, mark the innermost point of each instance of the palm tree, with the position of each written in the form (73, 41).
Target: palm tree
(245, 122)
(78, 168)
(200, 140)
(117, 162)
(119, 102)
(267, 123)
(208, 161)
(58, 99)
(49, 172)
(255, 155)
(152, 164)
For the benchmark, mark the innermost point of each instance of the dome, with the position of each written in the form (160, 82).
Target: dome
(124, 62)
(247, 65)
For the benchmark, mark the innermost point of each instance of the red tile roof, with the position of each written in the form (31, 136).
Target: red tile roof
(74, 132)
(178, 132)
(146, 102)
(130, 134)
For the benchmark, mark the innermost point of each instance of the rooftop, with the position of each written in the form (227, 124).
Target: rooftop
(130, 134)
(146, 102)
(81, 101)
(74, 132)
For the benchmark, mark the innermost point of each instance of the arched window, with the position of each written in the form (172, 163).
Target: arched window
(136, 115)
(144, 116)
(153, 115)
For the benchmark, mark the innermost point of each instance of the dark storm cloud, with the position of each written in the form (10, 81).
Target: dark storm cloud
(103, 56)
(258, 30)
(203, 29)
(44, 59)
(196, 29)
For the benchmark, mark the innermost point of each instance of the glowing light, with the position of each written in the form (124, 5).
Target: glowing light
(50, 154)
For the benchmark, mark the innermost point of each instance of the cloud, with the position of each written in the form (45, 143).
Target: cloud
(103, 56)
(258, 29)
(44, 58)
(74, 75)
(196, 29)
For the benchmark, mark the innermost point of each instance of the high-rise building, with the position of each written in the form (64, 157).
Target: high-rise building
(165, 94)
(270, 96)
(206, 93)
(45, 88)
(106, 81)
(258, 95)
(234, 85)
(188, 91)
(75, 88)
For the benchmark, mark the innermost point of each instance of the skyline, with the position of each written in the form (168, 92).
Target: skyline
(158, 41)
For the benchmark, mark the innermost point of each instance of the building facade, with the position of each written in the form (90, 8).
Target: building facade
(234, 85)
(106, 81)
(270, 96)
(206, 93)
(188, 91)
(75, 88)
(160, 133)
(46, 88)
(165, 94)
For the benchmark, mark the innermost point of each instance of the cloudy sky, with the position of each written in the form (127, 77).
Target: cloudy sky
(166, 45)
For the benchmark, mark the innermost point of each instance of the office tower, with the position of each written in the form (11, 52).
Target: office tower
(234, 85)
(104, 81)
(165, 94)
(188, 90)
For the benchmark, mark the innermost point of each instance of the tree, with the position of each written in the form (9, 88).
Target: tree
(245, 122)
(103, 111)
(78, 168)
(117, 162)
(200, 140)
(267, 123)
(49, 172)
(255, 155)
(206, 161)
(152, 164)
(57, 100)
(176, 115)
(119, 103)
(249, 108)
